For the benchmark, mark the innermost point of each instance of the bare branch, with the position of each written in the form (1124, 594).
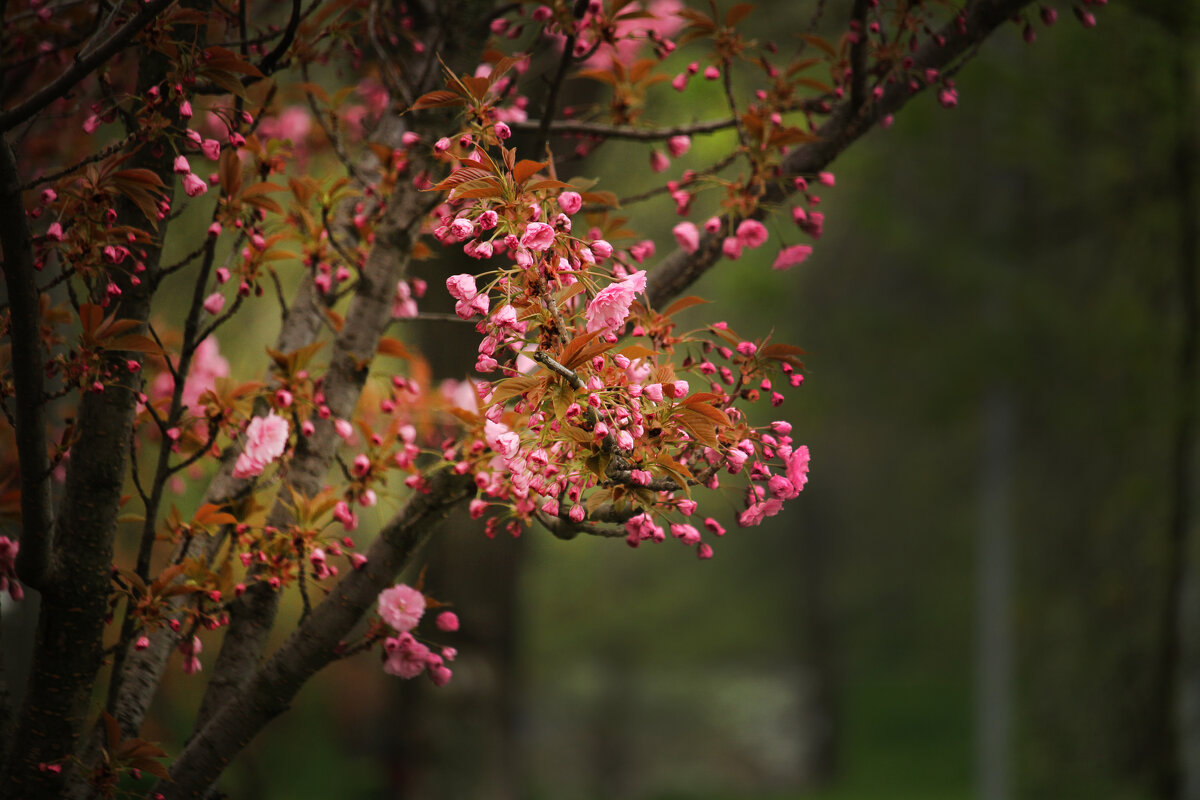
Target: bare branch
(81, 68)
(844, 127)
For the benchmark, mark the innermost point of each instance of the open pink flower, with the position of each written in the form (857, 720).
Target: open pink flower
(797, 467)
(610, 307)
(791, 256)
(401, 606)
(752, 233)
(538, 236)
(501, 439)
(266, 438)
(462, 287)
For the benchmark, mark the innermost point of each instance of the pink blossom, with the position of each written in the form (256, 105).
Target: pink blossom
(791, 256)
(570, 202)
(406, 657)
(632, 31)
(797, 467)
(91, 124)
(752, 233)
(182, 167)
(462, 229)
(685, 533)
(403, 304)
(447, 621)
(610, 307)
(462, 287)
(501, 439)
(214, 303)
(401, 606)
(207, 366)
(732, 247)
(687, 236)
(343, 514)
(538, 236)
(185, 110)
(194, 185)
(440, 674)
(678, 145)
(642, 250)
(55, 232)
(211, 149)
(266, 439)
(654, 392)
(658, 161)
(478, 304)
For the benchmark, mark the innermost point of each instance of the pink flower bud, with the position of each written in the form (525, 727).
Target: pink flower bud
(678, 145)
(214, 303)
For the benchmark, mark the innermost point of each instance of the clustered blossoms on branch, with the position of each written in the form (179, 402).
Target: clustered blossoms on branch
(402, 608)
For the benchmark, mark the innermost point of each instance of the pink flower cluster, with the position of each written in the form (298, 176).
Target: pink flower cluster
(266, 439)
(401, 607)
(193, 184)
(470, 301)
(610, 307)
(207, 366)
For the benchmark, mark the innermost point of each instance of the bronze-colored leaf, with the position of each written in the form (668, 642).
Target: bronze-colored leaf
(682, 303)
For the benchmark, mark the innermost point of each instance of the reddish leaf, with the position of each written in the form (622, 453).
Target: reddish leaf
(737, 14)
(393, 347)
(682, 303)
(526, 169)
(437, 99)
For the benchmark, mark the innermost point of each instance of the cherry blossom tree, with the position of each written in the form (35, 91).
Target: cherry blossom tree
(295, 160)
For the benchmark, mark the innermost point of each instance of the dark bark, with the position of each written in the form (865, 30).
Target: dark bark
(82, 67)
(68, 646)
(27, 366)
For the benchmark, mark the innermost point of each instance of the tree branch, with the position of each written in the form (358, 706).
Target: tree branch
(844, 127)
(271, 687)
(567, 128)
(28, 371)
(83, 67)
